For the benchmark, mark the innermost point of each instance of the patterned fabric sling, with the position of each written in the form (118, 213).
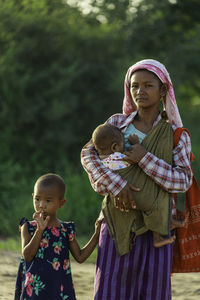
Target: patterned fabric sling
(186, 250)
(152, 202)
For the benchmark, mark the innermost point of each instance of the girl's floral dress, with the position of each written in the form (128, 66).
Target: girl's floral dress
(48, 275)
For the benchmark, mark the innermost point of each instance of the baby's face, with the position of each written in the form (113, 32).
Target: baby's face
(102, 150)
(120, 146)
(106, 150)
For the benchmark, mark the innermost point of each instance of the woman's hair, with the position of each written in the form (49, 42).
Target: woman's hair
(160, 82)
(169, 100)
(106, 134)
(52, 179)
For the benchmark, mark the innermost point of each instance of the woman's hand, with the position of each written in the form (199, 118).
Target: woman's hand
(41, 222)
(124, 200)
(135, 154)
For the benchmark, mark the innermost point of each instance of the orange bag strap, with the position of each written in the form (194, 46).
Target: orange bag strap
(177, 133)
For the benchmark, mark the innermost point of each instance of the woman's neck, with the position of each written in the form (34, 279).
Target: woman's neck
(144, 120)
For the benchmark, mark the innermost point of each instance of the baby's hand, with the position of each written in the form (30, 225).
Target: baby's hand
(133, 139)
(41, 222)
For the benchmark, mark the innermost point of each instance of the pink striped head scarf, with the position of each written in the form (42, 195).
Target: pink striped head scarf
(169, 102)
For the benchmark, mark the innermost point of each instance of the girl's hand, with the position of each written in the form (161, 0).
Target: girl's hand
(98, 226)
(41, 222)
(135, 154)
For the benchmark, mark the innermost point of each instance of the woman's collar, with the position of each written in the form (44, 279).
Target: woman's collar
(128, 120)
(131, 117)
(157, 119)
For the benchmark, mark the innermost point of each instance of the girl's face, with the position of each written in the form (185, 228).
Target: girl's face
(46, 199)
(145, 89)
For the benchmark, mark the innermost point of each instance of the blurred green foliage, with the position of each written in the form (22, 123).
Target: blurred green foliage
(61, 74)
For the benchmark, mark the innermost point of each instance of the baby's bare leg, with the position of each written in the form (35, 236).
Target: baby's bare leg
(159, 240)
(176, 223)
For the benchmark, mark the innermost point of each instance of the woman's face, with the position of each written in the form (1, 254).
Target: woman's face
(145, 89)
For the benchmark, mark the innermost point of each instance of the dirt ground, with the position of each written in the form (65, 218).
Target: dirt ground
(184, 286)
(83, 277)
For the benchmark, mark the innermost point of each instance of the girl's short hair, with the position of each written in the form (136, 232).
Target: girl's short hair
(52, 179)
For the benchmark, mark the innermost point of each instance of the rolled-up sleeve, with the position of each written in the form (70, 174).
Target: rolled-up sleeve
(172, 178)
(102, 179)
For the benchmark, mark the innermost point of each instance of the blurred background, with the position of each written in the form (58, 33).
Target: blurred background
(62, 69)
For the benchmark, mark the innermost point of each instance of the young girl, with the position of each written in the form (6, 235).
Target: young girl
(44, 271)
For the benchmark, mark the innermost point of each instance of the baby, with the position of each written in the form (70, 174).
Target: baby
(108, 141)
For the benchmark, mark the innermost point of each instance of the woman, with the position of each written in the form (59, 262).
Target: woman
(144, 272)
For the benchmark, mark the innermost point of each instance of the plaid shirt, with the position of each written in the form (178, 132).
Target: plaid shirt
(174, 179)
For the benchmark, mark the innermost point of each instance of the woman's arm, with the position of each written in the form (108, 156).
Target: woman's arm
(30, 244)
(81, 255)
(103, 180)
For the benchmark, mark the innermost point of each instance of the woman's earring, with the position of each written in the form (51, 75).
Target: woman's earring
(164, 115)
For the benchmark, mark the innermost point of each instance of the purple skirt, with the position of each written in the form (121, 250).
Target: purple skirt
(142, 274)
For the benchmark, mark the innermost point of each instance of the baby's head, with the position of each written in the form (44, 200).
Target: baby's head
(108, 139)
(48, 194)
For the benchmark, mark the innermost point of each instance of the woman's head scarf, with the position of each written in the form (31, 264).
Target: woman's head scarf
(169, 101)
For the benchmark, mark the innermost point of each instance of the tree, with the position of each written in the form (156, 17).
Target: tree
(55, 65)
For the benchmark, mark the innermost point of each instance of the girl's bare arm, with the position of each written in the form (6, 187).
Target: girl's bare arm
(81, 255)
(30, 244)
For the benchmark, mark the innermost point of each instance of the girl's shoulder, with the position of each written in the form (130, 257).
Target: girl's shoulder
(31, 225)
(68, 225)
(69, 229)
(67, 222)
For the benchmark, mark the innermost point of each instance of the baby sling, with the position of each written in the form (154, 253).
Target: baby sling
(153, 205)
